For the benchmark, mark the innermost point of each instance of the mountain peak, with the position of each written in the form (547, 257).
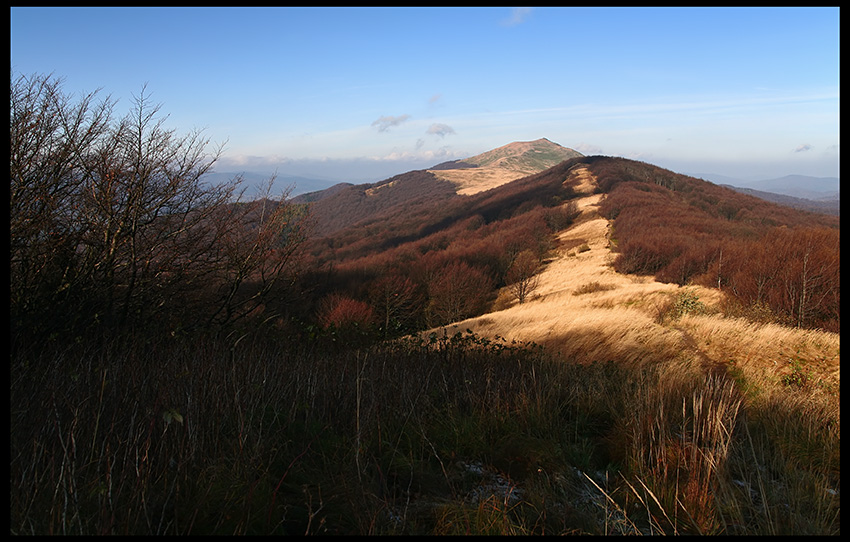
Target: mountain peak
(503, 164)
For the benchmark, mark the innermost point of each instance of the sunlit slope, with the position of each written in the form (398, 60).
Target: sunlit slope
(587, 311)
(504, 164)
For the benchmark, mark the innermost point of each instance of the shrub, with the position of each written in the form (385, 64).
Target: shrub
(687, 302)
(591, 287)
(522, 278)
(343, 312)
(458, 292)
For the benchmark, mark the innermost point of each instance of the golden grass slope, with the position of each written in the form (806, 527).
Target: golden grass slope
(505, 164)
(587, 311)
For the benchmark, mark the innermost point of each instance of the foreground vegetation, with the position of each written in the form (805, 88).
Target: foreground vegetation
(446, 435)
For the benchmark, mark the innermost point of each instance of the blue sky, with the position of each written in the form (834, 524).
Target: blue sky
(364, 93)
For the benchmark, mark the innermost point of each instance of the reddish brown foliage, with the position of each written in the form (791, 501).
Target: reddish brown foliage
(342, 312)
(793, 272)
(674, 227)
(682, 229)
(456, 292)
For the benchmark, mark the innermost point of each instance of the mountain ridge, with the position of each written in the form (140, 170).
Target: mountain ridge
(345, 205)
(829, 205)
(520, 158)
(502, 164)
(797, 186)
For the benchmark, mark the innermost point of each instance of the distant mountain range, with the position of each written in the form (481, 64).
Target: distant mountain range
(494, 167)
(797, 186)
(254, 182)
(817, 194)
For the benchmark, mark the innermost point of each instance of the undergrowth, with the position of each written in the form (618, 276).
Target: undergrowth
(443, 435)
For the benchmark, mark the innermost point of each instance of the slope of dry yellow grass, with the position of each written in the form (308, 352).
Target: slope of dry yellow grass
(587, 311)
(505, 164)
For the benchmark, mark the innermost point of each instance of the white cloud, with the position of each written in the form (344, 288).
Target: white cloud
(427, 157)
(803, 148)
(587, 149)
(441, 130)
(386, 122)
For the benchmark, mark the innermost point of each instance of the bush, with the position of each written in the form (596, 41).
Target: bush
(687, 302)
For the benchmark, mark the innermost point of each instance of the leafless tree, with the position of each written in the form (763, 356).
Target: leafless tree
(396, 299)
(522, 277)
(458, 292)
(113, 221)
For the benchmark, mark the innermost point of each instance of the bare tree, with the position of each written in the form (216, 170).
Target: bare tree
(49, 140)
(458, 292)
(259, 255)
(396, 299)
(522, 277)
(113, 221)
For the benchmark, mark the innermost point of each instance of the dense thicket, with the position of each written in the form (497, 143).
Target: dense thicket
(112, 224)
(781, 261)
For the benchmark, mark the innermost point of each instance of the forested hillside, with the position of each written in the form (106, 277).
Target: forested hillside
(680, 229)
(672, 227)
(346, 206)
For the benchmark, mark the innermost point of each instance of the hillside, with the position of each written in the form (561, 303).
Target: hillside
(584, 309)
(347, 205)
(683, 375)
(365, 220)
(186, 361)
(498, 166)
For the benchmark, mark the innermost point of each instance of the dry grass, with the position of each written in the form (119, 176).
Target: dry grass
(472, 181)
(620, 315)
(490, 175)
(583, 308)
(784, 381)
(767, 355)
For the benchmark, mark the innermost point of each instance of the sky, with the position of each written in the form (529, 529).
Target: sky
(361, 94)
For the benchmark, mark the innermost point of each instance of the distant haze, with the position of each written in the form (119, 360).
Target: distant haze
(304, 176)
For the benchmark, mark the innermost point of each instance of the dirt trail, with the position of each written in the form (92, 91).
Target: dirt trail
(588, 312)
(581, 304)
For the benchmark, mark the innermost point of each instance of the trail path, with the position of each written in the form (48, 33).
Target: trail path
(582, 305)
